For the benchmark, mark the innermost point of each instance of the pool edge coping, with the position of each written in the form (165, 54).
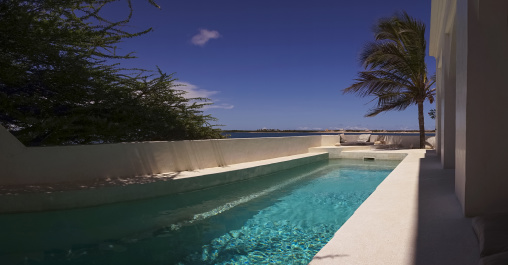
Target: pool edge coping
(187, 181)
(389, 227)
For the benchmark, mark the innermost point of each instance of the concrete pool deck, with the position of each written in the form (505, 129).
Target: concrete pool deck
(412, 218)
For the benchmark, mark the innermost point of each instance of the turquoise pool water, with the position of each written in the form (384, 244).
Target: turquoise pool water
(285, 218)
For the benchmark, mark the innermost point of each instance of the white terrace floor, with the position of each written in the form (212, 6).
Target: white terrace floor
(412, 218)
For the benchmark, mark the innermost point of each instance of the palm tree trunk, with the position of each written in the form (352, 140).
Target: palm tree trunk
(421, 124)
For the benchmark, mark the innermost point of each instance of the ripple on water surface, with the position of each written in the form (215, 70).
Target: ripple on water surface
(298, 224)
(284, 218)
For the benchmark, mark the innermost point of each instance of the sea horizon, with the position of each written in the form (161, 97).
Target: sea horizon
(260, 134)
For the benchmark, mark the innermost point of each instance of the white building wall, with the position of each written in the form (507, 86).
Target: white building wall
(439, 103)
(461, 102)
(486, 107)
(448, 101)
(481, 32)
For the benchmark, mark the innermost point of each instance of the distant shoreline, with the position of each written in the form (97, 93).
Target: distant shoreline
(346, 131)
(288, 133)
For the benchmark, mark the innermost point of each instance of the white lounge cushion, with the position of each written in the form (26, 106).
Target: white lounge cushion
(363, 138)
(374, 138)
(492, 233)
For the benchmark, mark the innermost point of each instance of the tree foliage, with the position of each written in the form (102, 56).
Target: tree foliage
(395, 70)
(58, 84)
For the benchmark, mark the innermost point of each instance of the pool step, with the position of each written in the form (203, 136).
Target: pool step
(336, 151)
(358, 152)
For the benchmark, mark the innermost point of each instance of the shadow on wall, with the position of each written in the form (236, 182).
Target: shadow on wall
(21, 165)
(404, 141)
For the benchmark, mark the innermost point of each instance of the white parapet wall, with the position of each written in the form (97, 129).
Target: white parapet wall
(39, 165)
(20, 165)
(398, 141)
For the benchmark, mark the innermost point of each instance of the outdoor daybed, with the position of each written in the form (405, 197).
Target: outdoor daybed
(362, 139)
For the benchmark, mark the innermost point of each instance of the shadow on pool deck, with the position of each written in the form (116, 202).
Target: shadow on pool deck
(444, 235)
(413, 218)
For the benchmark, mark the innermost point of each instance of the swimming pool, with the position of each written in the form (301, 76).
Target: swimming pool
(285, 217)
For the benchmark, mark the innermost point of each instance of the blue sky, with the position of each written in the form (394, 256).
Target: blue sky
(270, 63)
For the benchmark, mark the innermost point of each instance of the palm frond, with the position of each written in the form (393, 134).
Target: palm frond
(390, 101)
(377, 81)
(394, 65)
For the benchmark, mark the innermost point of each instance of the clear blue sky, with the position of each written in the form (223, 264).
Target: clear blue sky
(271, 63)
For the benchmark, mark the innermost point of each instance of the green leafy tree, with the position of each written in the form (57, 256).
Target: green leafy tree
(395, 70)
(59, 83)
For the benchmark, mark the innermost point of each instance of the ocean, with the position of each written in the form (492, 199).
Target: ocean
(287, 134)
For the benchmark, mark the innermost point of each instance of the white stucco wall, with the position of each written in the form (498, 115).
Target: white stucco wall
(442, 46)
(481, 50)
(88, 162)
(461, 102)
(448, 99)
(487, 91)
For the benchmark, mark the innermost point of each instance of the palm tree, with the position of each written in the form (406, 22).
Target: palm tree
(395, 70)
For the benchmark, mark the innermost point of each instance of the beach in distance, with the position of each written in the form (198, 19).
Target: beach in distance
(259, 134)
